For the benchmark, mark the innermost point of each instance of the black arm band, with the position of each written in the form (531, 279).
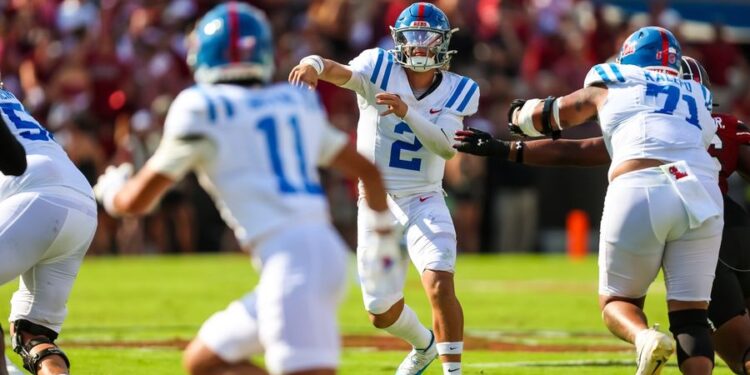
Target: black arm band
(547, 118)
(519, 151)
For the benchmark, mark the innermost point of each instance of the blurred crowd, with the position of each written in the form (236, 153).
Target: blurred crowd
(101, 74)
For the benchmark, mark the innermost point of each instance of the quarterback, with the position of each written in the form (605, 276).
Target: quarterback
(255, 148)
(410, 108)
(663, 208)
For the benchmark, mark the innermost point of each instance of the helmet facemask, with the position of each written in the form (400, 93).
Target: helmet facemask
(422, 48)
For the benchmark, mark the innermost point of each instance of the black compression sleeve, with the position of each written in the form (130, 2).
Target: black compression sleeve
(12, 153)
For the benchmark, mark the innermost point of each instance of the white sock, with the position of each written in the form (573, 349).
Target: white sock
(640, 336)
(408, 327)
(452, 368)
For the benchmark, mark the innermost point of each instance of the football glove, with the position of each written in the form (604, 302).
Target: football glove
(476, 142)
(110, 183)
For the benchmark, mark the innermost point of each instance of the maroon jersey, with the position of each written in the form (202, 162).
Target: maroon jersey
(731, 133)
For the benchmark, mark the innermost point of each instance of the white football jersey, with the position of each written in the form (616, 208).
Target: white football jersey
(47, 163)
(269, 142)
(655, 116)
(406, 165)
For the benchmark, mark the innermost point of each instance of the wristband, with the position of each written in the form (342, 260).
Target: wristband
(525, 121)
(315, 61)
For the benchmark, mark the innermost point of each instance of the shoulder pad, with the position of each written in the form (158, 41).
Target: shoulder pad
(190, 112)
(608, 74)
(464, 99)
(375, 64)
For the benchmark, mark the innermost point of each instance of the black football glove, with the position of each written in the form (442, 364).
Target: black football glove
(514, 105)
(476, 142)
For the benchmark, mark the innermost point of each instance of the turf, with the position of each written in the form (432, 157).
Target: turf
(153, 304)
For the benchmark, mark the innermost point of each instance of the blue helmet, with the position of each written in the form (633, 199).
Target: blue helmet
(231, 42)
(422, 34)
(652, 48)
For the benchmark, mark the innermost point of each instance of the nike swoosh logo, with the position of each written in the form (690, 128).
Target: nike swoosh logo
(451, 348)
(434, 111)
(454, 370)
(422, 199)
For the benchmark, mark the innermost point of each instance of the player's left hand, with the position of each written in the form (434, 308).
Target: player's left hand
(395, 105)
(110, 183)
(476, 142)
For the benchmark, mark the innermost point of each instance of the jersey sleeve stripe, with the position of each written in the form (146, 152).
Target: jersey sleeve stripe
(387, 74)
(463, 104)
(378, 65)
(708, 98)
(602, 74)
(211, 106)
(617, 72)
(457, 93)
(228, 107)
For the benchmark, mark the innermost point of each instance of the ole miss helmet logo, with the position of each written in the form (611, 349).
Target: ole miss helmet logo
(419, 24)
(628, 48)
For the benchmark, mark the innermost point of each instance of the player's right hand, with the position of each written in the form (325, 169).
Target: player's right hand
(513, 125)
(476, 142)
(110, 183)
(304, 75)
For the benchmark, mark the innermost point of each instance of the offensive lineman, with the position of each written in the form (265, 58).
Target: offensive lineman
(410, 108)
(47, 221)
(663, 207)
(255, 149)
(727, 310)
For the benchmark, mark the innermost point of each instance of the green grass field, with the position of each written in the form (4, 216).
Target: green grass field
(539, 314)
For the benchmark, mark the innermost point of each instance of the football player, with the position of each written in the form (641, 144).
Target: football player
(663, 207)
(410, 108)
(48, 219)
(728, 308)
(255, 148)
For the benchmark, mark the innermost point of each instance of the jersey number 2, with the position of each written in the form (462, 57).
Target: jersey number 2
(396, 162)
(268, 126)
(35, 132)
(673, 96)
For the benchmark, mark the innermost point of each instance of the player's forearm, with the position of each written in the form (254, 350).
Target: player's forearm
(563, 152)
(538, 117)
(140, 195)
(335, 73)
(435, 137)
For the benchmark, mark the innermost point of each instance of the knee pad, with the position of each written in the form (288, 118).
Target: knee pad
(31, 361)
(692, 332)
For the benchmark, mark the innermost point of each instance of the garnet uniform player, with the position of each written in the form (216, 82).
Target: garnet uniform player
(731, 287)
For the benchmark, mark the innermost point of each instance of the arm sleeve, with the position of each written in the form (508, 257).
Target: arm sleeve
(12, 153)
(438, 136)
(175, 157)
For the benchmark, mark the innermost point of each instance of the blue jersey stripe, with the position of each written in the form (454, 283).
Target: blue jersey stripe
(602, 74)
(457, 92)
(378, 64)
(228, 107)
(211, 106)
(463, 104)
(387, 74)
(617, 72)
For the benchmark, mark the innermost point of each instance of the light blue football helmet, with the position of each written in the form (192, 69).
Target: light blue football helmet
(422, 35)
(232, 42)
(653, 48)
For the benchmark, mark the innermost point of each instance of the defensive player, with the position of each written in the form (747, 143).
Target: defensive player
(663, 207)
(727, 310)
(410, 107)
(255, 149)
(47, 221)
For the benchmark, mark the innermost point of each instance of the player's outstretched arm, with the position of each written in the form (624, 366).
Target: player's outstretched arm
(12, 153)
(542, 152)
(353, 165)
(543, 117)
(312, 68)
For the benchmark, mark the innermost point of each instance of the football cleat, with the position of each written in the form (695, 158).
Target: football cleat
(653, 350)
(418, 359)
